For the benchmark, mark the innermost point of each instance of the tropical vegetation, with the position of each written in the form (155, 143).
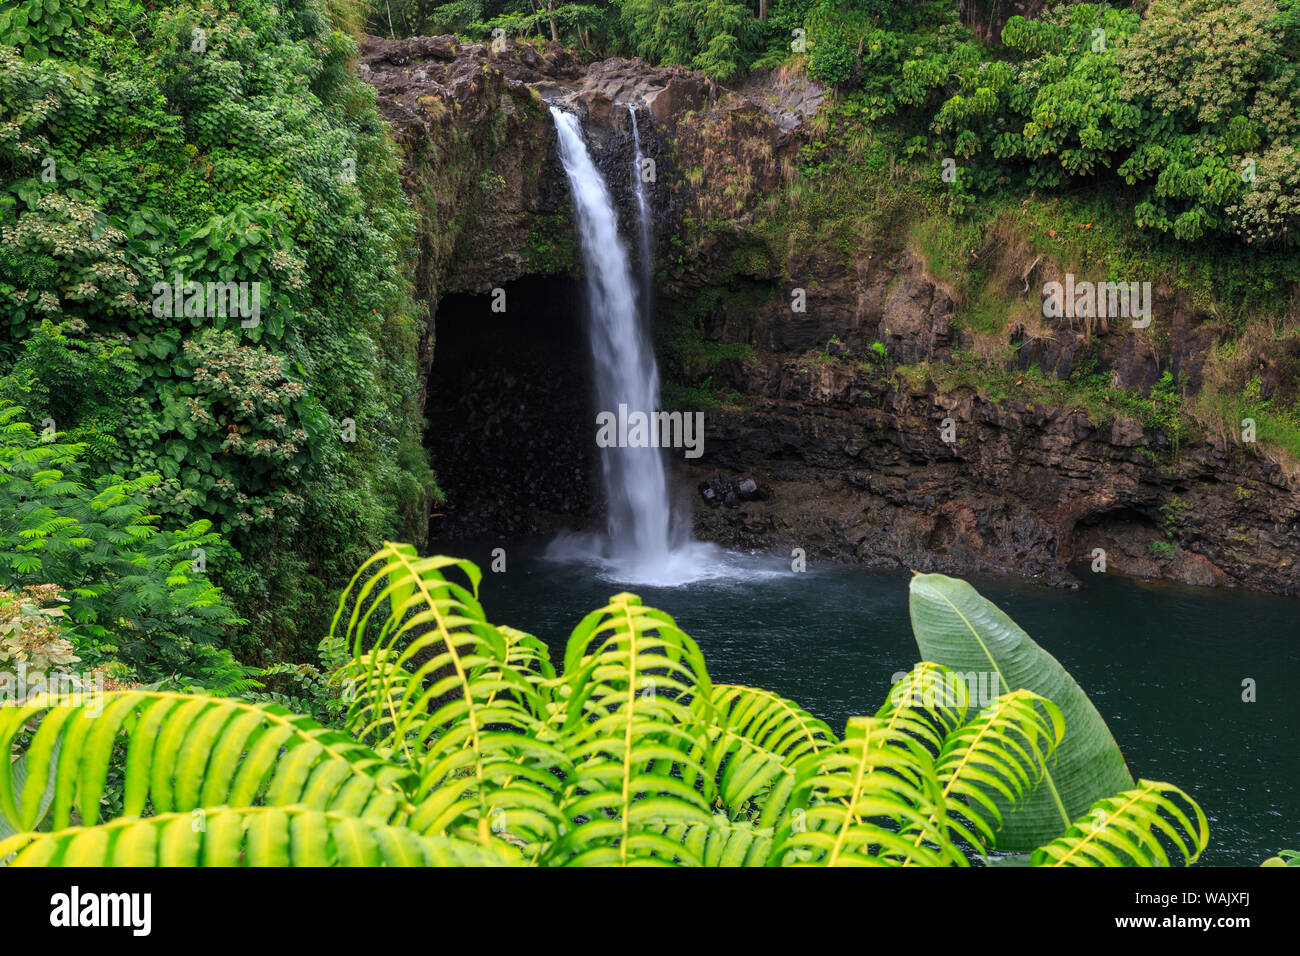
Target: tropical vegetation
(149, 144)
(183, 495)
(463, 745)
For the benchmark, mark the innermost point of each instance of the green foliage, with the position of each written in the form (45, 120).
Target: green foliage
(1193, 105)
(1124, 830)
(854, 40)
(958, 628)
(720, 37)
(44, 27)
(29, 630)
(716, 36)
(1175, 512)
(467, 747)
(255, 836)
(832, 56)
(1166, 406)
(303, 688)
(136, 593)
(1283, 858)
(164, 144)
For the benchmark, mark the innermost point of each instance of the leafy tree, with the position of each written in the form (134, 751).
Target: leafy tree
(225, 143)
(1224, 79)
(717, 36)
(1192, 106)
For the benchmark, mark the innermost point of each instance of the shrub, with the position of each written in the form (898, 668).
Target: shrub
(135, 593)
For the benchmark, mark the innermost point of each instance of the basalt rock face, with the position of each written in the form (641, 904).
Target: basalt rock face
(481, 164)
(495, 216)
(854, 466)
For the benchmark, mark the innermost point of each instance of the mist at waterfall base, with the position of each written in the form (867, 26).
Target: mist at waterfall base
(647, 541)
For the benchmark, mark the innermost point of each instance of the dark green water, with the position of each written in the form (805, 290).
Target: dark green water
(1164, 664)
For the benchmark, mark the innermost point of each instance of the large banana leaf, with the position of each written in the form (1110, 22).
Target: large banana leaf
(958, 628)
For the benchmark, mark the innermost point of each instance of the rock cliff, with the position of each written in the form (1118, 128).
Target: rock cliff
(834, 411)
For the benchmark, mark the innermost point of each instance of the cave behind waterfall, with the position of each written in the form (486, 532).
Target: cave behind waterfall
(511, 429)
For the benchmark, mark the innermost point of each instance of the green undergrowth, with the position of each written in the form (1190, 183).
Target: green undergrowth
(702, 396)
(1277, 428)
(224, 143)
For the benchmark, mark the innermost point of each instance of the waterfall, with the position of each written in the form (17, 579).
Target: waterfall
(644, 544)
(625, 368)
(645, 233)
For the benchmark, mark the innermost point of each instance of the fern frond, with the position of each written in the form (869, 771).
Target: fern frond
(1125, 830)
(638, 749)
(250, 836)
(532, 658)
(995, 761)
(852, 801)
(184, 752)
(722, 842)
(435, 686)
(757, 738)
(927, 704)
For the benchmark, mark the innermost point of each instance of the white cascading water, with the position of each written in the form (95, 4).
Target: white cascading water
(644, 222)
(644, 544)
(626, 372)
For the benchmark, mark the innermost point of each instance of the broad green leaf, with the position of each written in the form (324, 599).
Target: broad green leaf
(958, 628)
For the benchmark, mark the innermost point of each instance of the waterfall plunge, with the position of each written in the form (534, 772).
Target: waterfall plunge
(641, 546)
(645, 231)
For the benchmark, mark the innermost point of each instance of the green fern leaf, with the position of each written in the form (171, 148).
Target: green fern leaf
(435, 686)
(720, 843)
(757, 737)
(638, 748)
(852, 802)
(250, 836)
(926, 705)
(184, 752)
(1125, 830)
(995, 761)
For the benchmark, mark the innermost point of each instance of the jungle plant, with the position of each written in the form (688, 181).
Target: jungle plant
(130, 159)
(466, 746)
(29, 629)
(135, 592)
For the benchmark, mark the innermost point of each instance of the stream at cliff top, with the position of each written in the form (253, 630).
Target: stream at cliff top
(1163, 663)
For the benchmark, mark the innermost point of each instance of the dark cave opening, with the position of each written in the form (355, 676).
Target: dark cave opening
(1118, 530)
(510, 412)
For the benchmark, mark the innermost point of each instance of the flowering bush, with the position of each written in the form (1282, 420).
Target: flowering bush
(29, 629)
